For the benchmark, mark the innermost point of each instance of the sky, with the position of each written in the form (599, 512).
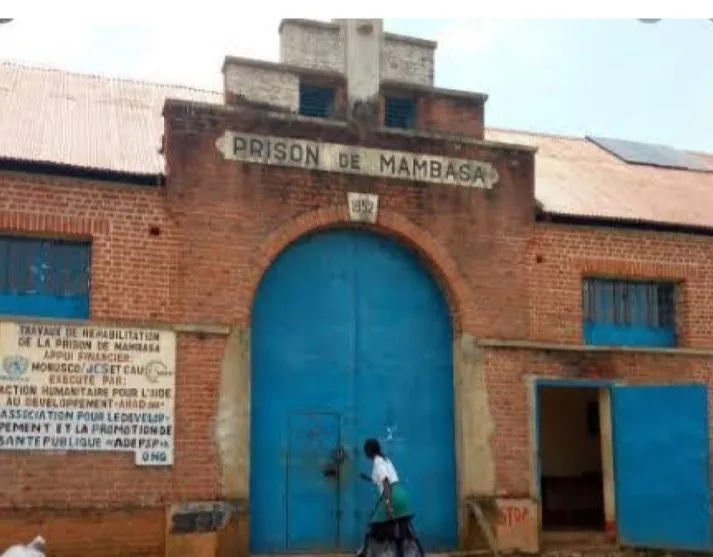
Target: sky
(609, 77)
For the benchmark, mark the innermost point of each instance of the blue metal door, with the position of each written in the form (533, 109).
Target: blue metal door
(661, 466)
(312, 474)
(404, 382)
(351, 339)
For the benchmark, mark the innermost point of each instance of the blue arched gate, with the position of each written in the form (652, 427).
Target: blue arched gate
(351, 339)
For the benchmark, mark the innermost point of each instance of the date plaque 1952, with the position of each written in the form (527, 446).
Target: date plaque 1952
(363, 207)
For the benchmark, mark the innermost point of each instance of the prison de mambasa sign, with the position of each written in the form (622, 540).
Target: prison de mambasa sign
(352, 159)
(88, 388)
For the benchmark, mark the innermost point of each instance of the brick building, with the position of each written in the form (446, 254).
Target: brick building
(265, 276)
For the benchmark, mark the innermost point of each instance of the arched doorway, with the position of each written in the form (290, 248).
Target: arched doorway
(351, 338)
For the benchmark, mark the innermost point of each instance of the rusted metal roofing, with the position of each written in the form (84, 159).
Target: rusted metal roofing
(102, 123)
(86, 121)
(575, 177)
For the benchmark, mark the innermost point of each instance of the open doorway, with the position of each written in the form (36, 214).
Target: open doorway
(571, 472)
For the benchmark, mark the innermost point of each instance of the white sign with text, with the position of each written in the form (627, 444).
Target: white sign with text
(88, 388)
(353, 159)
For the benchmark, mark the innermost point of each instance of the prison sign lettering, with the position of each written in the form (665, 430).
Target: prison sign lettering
(88, 388)
(352, 159)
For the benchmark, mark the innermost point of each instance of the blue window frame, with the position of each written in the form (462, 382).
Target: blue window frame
(316, 100)
(628, 312)
(40, 277)
(399, 112)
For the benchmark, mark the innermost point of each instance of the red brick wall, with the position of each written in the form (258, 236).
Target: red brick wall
(506, 372)
(234, 210)
(450, 115)
(566, 253)
(134, 273)
(558, 257)
(221, 223)
(69, 532)
(134, 277)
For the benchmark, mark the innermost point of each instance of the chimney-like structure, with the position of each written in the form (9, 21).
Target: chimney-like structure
(363, 50)
(352, 69)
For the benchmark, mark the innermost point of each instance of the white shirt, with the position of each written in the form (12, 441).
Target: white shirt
(381, 469)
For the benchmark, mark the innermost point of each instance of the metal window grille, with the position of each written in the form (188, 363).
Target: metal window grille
(626, 302)
(44, 267)
(399, 112)
(316, 100)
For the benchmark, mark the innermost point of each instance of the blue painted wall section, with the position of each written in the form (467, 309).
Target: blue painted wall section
(661, 466)
(44, 278)
(352, 339)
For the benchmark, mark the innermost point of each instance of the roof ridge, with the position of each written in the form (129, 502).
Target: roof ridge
(537, 133)
(48, 68)
(585, 139)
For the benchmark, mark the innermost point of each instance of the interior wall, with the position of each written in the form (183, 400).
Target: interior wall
(567, 448)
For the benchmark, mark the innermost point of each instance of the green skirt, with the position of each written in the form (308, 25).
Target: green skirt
(400, 503)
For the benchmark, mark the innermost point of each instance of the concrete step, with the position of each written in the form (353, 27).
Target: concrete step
(575, 542)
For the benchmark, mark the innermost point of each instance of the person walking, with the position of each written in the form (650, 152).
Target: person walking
(390, 529)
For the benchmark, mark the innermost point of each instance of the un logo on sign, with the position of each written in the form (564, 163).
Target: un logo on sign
(15, 366)
(155, 370)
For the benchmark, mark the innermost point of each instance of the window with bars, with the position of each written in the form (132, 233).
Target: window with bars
(40, 277)
(316, 100)
(399, 112)
(628, 312)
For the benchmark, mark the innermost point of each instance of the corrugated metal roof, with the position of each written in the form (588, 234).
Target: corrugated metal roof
(576, 177)
(87, 121)
(102, 123)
